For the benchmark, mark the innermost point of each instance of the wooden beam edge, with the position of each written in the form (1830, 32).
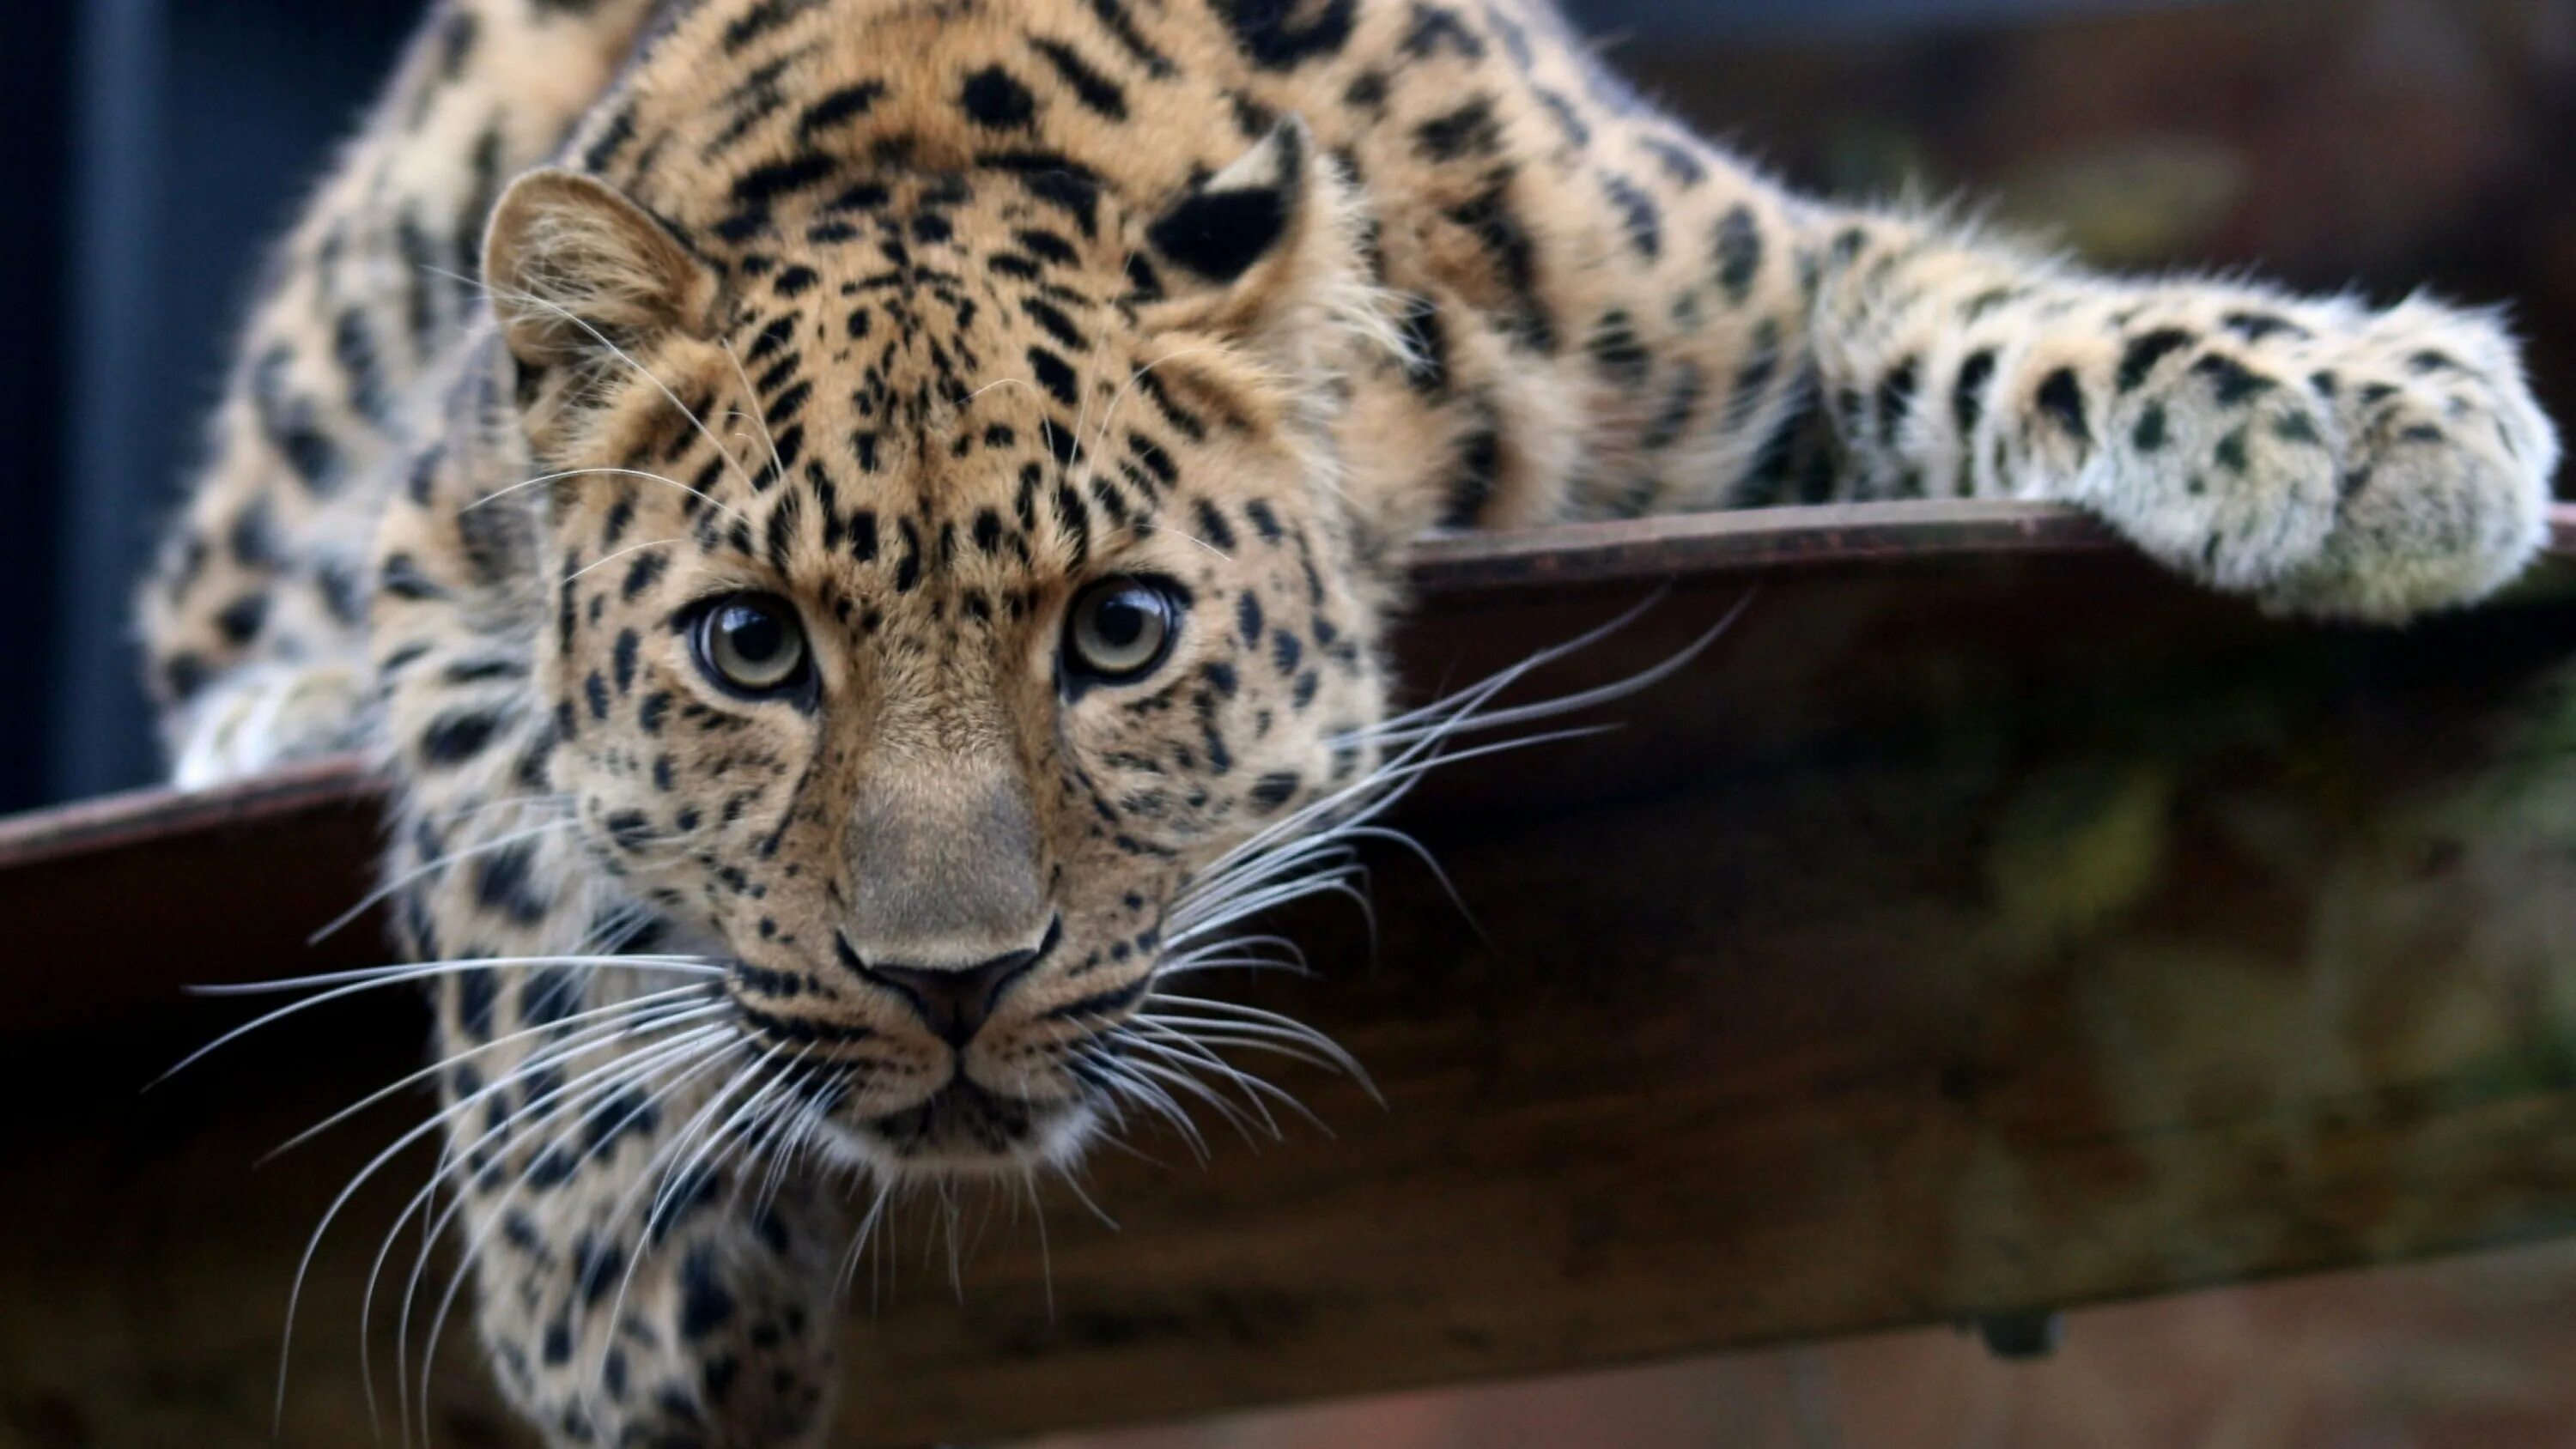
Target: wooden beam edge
(1643, 550)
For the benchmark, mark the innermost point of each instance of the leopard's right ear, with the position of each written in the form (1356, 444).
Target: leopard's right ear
(577, 273)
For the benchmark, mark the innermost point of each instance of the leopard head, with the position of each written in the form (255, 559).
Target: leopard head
(947, 589)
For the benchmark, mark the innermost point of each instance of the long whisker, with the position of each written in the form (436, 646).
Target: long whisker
(1295, 958)
(860, 1237)
(637, 1011)
(500, 1140)
(1046, 1252)
(1257, 1021)
(375, 979)
(1173, 1077)
(604, 560)
(724, 1141)
(1460, 706)
(1309, 854)
(1232, 963)
(558, 477)
(1340, 883)
(1421, 731)
(798, 1136)
(1075, 1183)
(1102, 1067)
(1213, 1034)
(431, 867)
(712, 1051)
(1196, 920)
(568, 315)
(1181, 1048)
(1395, 782)
(1109, 416)
(1187, 537)
(657, 1175)
(462, 813)
(763, 1147)
(374, 1165)
(386, 975)
(1171, 1053)
(751, 396)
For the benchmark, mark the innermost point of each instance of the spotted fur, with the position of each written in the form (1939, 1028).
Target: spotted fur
(921, 314)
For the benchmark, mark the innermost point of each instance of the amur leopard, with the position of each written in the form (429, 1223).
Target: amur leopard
(862, 531)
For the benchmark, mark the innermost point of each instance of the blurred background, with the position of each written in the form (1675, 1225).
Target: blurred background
(2370, 143)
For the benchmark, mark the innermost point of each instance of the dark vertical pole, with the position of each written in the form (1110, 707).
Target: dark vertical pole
(35, 98)
(109, 483)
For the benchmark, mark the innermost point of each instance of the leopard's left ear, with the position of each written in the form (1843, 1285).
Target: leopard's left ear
(1266, 252)
(578, 272)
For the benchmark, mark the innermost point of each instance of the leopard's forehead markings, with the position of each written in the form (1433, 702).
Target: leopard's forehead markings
(733, 109)
(942, 392)
(932, 298)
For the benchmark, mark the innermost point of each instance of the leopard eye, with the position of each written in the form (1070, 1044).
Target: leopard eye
(1120, 630)
(753, 644)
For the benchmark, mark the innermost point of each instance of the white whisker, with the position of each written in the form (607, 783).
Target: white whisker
(502, 1140)
(1173, 1077)
(657, 1175)
(604, 560)
(374, 1165)
(1046, 1251)
(373, 979)
(430, 867)
(1214, 1034)
(1179, 1046)
(1170, 1050)
(862, 1234)
(752, 396)
(1151, 1096)
(641, 371)
(710, 1048)
(652, 1010)
(1065, 1174)
(543, 478)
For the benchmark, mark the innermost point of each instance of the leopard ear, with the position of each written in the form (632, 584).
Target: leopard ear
(578, 272)
(1266, 251)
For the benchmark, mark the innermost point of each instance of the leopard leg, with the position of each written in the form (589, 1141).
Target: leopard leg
(2323, 457)
(643, 1277)
(254, 617)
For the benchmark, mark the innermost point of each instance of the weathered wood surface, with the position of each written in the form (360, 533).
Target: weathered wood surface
(1987, 923)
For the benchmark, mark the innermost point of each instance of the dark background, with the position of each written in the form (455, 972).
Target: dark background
(155, 143)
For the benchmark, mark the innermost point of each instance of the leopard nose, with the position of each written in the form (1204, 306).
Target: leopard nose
(956, 1001)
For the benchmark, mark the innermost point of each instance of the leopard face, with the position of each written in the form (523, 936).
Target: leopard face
(939, 590)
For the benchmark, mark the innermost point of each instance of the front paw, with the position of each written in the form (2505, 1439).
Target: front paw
(2225, 470)
(2371, 468)
(266, 716)
(2445, 489)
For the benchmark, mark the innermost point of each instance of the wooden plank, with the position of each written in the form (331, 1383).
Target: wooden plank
(1988, 923)
(178, 889)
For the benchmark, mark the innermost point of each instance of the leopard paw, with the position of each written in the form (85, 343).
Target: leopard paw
(2225, 470)
(266, 716)
(2371, 467)
(2445, 483)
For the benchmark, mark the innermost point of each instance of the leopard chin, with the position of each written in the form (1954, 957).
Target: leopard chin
(962, 1130)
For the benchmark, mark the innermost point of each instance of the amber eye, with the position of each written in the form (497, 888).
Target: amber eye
(753, 644)
(1120, 629)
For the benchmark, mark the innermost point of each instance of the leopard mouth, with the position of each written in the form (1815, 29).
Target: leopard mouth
(964, 1128)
